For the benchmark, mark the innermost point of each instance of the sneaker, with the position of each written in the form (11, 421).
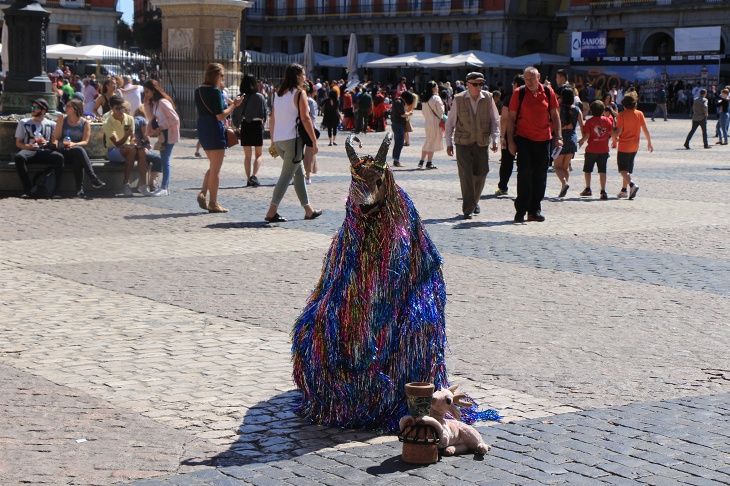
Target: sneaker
(536, 217)
(634, 190)
(586, 192)
(307, 181)
(197, 154)
(420, 164)
(477, 210)
(397, 164)
(143, 190)
(564, 190)
(334, 143)
(430, 165)
(81, 194)
(622, 194)
(604, 196)
(97, 183)
(160, 192)
(500, 192)
(127, 190)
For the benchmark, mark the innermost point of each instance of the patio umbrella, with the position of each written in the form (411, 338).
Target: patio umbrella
(466, 59)
(99, 52)
(352, 58)
(401, 60)
(537, 59)
(308, 58)
(363, 59)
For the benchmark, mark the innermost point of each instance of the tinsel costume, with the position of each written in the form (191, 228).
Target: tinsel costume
(375, 321)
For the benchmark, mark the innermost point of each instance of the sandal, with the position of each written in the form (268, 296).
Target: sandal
(216, 208)
(201, 201)
(277, 218)
(315, 214)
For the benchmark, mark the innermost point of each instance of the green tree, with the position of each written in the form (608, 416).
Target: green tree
(148, 34)
(125, 39)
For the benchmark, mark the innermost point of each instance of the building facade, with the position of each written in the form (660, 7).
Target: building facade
(79, 22)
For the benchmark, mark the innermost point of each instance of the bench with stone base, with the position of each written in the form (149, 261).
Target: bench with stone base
(111, 173)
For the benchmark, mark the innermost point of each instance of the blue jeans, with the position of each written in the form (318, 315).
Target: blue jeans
(165, 155)
(399, 137)
(723, 119)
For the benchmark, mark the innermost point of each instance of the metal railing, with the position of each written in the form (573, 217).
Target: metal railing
(389, 8)
(607, 4)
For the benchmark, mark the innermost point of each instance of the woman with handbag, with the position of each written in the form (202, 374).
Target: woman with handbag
(164, 123)
(433, 114)
(290, 111)
(213, 136)
(249, 119)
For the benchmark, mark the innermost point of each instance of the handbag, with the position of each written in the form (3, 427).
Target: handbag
(303, 131)
(231, 137)
(444, 117)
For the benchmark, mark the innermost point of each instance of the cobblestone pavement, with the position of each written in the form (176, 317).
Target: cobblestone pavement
(144, 340)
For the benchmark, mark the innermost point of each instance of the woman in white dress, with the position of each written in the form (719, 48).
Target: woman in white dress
(433, 110)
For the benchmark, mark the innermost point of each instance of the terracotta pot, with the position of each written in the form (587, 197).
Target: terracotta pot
(418, 396)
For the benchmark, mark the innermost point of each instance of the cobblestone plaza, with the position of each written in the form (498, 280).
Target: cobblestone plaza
(146, 341)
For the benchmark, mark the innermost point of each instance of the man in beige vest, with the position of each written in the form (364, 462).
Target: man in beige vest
(472, 120)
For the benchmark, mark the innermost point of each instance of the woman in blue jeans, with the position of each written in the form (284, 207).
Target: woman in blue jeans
(398, 117)
(163, 120)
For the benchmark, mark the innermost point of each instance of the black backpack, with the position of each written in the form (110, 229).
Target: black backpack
(44, 184)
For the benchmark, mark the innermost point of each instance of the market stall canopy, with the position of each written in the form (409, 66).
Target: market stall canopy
(466, 59)
(96, 52)
(402, 60)
(255, 57)
(538, 59)
(362, 59)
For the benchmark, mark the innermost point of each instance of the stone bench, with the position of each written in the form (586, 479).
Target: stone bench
(112, 174)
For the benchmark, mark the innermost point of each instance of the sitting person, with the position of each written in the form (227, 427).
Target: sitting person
(119, 138)
(34, 137)
(74, 132)
(143, 140)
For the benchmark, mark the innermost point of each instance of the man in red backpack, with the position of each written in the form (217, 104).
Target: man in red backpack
(534, 120)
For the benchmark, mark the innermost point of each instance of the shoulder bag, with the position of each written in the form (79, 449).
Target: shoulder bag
(300, 126)
(444, 117)
(231, 138)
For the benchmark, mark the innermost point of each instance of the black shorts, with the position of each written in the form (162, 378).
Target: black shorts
(601, 160)
(625, 161)
(252, 134)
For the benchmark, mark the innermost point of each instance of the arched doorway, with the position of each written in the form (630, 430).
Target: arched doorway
(658, 44)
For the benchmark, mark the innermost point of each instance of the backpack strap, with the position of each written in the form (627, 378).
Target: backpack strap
(523, 89)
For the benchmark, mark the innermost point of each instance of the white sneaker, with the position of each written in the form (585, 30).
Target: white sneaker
(161, 192)
(143, 190)
(307, 181)
(127, 190)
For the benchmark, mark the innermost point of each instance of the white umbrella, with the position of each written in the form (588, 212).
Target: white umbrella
(308, 58)
(100, 52)
(65, 51)
(363, 59)
(466, 59)
(401, 60)
(352, 58)
(5, 54)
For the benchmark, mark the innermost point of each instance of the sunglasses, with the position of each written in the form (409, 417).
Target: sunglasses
(477, 84)
(118, 108)
(35, 107)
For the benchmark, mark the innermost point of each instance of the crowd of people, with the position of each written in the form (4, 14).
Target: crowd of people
(130, 113)
(538, 126)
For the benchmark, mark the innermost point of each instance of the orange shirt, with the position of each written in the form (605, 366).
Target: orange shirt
(631, 121)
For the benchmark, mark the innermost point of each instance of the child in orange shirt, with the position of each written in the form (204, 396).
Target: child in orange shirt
(629, 125)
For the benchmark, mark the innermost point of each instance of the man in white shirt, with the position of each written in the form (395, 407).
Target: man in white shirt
(131, 93)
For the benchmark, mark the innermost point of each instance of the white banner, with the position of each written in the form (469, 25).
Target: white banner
(697, 39)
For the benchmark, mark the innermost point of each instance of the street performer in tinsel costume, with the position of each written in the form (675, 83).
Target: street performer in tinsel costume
(375, 320)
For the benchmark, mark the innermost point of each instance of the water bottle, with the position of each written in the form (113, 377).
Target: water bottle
(67, 140)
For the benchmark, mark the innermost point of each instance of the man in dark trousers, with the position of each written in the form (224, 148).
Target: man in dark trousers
(700, 113)
(534, 119)
(507, 163)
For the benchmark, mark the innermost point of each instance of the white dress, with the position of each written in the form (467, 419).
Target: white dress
(432, 112)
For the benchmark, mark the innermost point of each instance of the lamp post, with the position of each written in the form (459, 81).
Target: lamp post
(27, 22)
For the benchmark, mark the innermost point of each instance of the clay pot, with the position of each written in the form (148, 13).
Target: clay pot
(418, 396)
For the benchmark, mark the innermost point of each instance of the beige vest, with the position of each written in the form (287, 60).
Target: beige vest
(473, 127)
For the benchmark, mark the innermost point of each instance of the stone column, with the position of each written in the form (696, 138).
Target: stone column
(27, 78)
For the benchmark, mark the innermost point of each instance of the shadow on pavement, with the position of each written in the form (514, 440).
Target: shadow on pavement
(271, 431)
(163, 216)
(238, 224)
